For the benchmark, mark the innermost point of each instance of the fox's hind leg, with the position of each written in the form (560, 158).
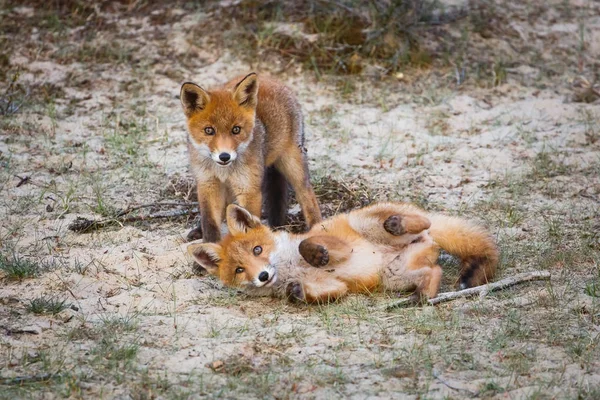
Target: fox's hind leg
(389, 223)
(417, 269)
(424, 280)
(323, 250)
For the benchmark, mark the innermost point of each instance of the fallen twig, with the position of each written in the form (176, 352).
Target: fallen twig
(582, 193)
(482, 290)
(19, 380)
(131, 209)
(23, 180)
(86, 225)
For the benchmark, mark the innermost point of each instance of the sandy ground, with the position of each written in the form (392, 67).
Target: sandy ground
(104, 134)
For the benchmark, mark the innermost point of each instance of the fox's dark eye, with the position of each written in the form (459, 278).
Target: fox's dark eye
(236, 130)
(257, 250)
(209, 130)
(239, 270)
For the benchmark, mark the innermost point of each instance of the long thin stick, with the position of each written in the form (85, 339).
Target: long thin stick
(131, 209)
(85, 225)
(482, 290)
(20, 380)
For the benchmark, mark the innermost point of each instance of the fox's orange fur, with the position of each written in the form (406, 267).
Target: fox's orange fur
(236, 133)
(384, 246)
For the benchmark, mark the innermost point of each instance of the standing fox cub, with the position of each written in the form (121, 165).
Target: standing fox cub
(391, 246)
(236, 132)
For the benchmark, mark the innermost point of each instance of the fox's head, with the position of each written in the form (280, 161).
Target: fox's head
(242, 258)
(220, 122)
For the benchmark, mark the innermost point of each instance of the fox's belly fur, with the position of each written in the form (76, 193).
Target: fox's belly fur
(371, 267)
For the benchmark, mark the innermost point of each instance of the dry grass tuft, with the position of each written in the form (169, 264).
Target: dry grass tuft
(340, 37)
(335, 196)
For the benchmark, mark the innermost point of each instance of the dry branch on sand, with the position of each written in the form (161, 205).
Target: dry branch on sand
(83, 225)
(482, 290)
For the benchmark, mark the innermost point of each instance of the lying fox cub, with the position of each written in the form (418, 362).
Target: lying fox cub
(392, 246)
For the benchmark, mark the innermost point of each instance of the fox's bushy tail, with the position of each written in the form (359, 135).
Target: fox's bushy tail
(471, 243)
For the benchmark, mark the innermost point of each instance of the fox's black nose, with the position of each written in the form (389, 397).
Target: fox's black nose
(224, 157)
(263, 276)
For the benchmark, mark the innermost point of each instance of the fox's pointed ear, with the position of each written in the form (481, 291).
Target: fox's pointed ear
(246, 92)
(239, 220)
(207, 255)
(193, 98)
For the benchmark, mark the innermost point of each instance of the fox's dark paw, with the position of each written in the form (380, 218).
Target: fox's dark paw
(314, 254)
(295, 292)
(394, 226)
(194, 234)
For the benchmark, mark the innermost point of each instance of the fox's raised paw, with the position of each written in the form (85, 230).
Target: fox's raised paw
(314, 254)
(394, 226)
(295, 292)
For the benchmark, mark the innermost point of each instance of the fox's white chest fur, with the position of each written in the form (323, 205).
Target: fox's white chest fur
(367, 259)
(384, 263)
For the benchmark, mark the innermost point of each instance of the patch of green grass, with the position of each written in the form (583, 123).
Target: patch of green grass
(490, 388)
(518, 359)
(501, 212)
(592, 286)
(65, 197)
(583, 348)
(148, 386)
(16, 267)
(124, 136)
(548, 164)
(513, 327)
(114, 350)
(118, 324)
(125, 141)
(46, 305)
(102, 205)
(590, 123)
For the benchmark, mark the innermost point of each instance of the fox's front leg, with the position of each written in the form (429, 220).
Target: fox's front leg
(246, 188)
(316, 289)
(251, 200)
(322, 250)
(388, 224)
(211, 204)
